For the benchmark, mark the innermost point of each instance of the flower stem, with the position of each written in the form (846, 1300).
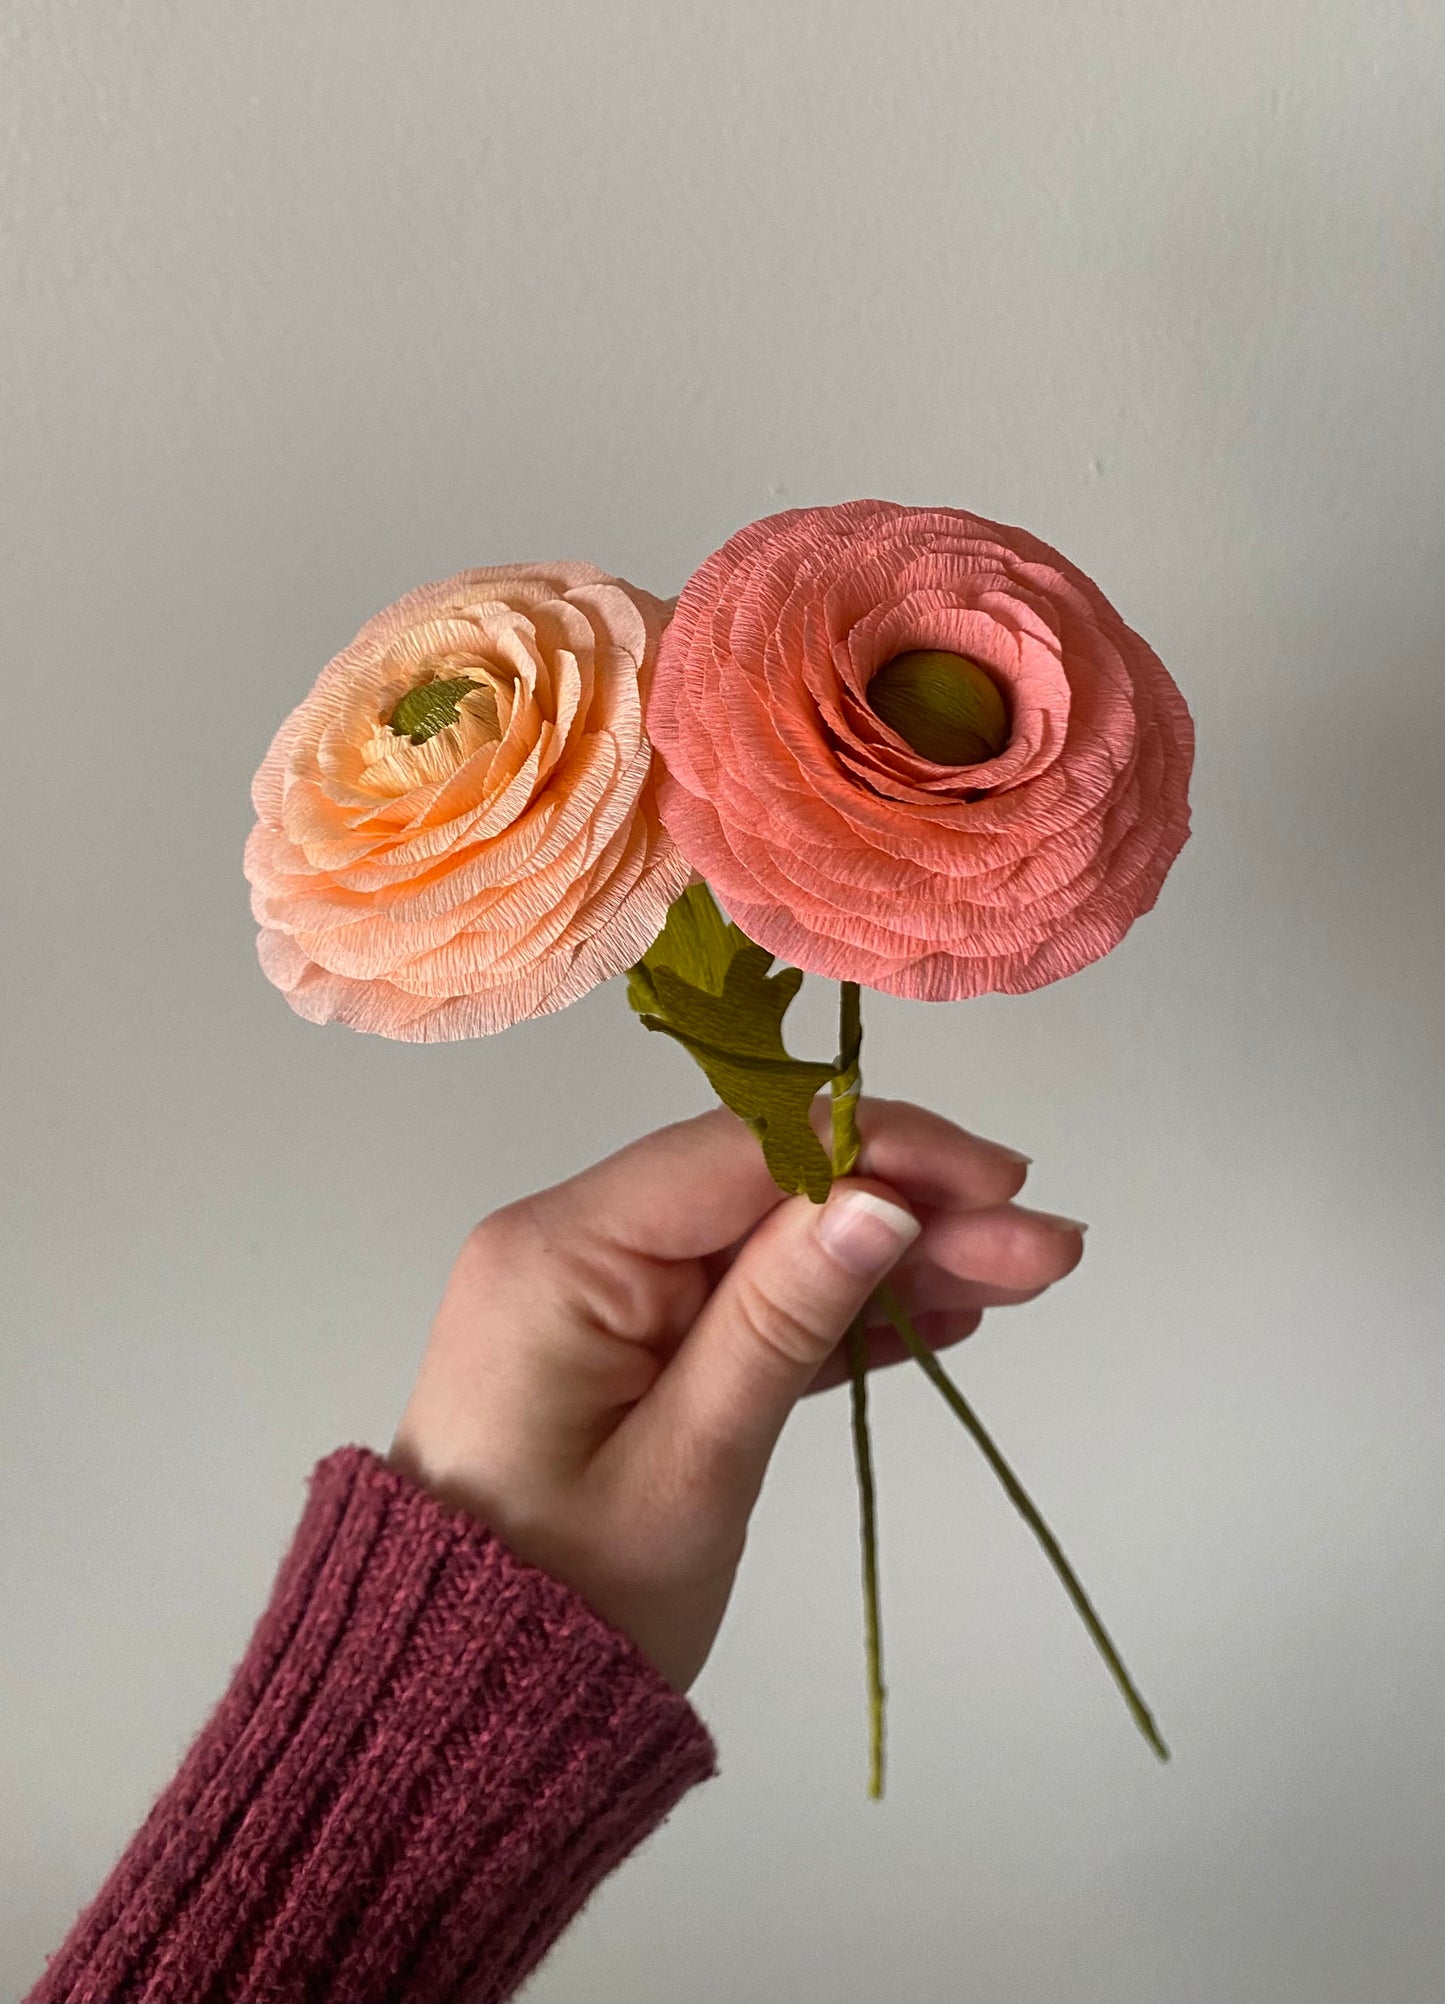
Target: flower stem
(868, 1535)
(847, 1146)
(1022, 1502)
(847, 1080)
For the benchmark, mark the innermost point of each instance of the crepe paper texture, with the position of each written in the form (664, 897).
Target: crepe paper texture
(458, 828)
(840, 847)
(907, 748)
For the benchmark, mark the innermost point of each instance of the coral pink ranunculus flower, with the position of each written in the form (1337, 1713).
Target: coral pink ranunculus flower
(458, 827)
(835, 843)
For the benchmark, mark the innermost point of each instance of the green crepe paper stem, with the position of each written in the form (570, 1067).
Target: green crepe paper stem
(1023, 1503)
(847, 1080)
(868, 1538)
(847, 1146)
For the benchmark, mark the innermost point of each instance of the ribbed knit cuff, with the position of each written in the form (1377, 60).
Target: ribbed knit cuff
(429, 1756)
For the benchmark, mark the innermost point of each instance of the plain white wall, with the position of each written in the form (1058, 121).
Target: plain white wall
(306, 304)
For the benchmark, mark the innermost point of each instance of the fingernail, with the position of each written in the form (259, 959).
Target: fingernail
(865, 1233)
(1061, 1224)
(1013, 1155)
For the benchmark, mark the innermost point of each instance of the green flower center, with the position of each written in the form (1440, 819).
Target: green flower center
(944, 706)
(429, 708)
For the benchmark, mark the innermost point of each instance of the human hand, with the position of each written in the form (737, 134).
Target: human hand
(614, 1358)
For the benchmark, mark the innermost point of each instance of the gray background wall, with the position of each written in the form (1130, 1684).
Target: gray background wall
(308, 303)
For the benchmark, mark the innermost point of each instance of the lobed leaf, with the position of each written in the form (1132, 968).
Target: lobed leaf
(706, 985)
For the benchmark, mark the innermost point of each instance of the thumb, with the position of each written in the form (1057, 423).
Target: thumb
(778, 1312)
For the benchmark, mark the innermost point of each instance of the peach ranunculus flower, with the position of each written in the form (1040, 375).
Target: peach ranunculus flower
(458, 827)
(911, 748)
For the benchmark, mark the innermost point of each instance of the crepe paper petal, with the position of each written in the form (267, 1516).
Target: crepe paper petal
(458, 828)
(838, 844)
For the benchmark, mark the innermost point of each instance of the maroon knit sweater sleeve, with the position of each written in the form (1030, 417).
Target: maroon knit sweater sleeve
(427, 1759)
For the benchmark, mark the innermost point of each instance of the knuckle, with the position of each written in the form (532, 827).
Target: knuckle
(502, 1238)
(1023, 1257)
(777, 1326)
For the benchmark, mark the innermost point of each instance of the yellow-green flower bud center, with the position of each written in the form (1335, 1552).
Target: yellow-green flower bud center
(429, 708)
(944, 706)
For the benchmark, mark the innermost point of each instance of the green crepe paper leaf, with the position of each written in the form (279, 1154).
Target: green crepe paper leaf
(705, 984)
(697, 942)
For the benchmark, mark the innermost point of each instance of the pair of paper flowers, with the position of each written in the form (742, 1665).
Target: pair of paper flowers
(906, 747)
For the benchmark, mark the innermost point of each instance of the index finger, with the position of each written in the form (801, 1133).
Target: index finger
(701, 1185)
(679, 1193)
(932, 1161)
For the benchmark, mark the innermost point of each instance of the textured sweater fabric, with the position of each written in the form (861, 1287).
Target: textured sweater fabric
(427, 1759)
